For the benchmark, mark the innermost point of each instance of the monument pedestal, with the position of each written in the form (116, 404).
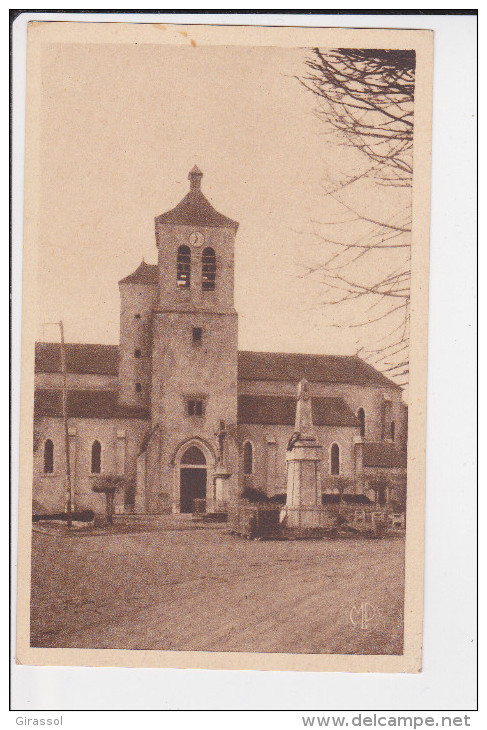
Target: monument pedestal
(219, 499)
(303, 457)
(303, 503)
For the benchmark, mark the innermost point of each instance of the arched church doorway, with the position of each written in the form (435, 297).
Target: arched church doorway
(193, 478)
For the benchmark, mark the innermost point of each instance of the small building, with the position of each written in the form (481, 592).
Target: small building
(151, 409)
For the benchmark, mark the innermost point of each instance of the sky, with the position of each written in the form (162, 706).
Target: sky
(121, 126)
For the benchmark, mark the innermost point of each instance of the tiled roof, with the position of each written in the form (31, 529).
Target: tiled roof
(80, 358)
(195, 210)
(383, 454)
(315, 368)
(281, 410)
(143, 274)
(84, 404)
(103, 360)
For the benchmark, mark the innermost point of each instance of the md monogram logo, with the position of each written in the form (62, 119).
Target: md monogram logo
(362, 614)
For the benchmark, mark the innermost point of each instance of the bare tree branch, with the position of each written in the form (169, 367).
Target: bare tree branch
(367, 97)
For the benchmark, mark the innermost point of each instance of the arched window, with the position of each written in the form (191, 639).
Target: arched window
(48, 457)
(393, 430)
(335, 460)
(248, 458)
(208, 271)
(184, 267)
(361, 419)
(96, 457)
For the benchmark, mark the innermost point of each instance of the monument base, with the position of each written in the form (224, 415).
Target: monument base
(218, 502)
(303, 474)
(305, 518)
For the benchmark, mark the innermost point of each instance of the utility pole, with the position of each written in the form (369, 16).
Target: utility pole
(69, 491)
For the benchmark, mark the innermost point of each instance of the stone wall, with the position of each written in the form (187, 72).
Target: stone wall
(120, 440)
(183, 371)
(136, 303)
(269, 454)
(168, 239)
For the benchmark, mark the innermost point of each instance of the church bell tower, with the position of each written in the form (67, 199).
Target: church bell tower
(194, 351)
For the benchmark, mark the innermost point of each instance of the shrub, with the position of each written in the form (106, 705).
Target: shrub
(278, 498)
(108, 483)
(255, 496)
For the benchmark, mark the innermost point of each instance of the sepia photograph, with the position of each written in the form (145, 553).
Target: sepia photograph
(224, 347)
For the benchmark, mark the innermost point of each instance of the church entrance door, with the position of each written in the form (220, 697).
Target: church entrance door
(193, 486)
(193, 478)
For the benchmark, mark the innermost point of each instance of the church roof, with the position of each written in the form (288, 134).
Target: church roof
(383, 454)
(143, 274)
(195, 210)
(280, 410)
(80, 358)
(290, 367)
(315, 368)
(84, 404)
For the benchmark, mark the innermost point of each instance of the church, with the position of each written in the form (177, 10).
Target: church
(176, 400)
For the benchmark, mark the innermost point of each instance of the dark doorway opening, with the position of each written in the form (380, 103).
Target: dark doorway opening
(193, 486)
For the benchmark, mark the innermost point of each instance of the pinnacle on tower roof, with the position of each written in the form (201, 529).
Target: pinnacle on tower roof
(194, 177)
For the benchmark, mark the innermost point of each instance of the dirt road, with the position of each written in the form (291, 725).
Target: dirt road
(203, 589)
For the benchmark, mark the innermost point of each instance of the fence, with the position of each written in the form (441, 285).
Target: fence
(270, 520)
(367, 518)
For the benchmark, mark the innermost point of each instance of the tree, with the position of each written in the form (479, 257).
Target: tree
(108, 485)
(339, 484)
(366, 100)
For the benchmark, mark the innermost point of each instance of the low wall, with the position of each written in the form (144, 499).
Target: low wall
(270, 520)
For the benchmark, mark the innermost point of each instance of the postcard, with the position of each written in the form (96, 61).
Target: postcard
(224, 340)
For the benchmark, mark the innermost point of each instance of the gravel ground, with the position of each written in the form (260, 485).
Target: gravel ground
(174, 584)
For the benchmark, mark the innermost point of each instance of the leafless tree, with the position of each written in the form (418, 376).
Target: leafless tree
(366, 100)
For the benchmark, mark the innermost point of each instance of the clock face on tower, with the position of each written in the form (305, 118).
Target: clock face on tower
(196, 238)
